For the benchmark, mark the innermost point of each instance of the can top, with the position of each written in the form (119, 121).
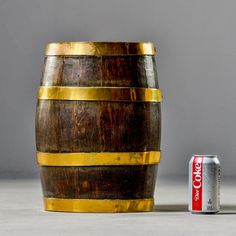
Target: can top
(205, 155)
(99, 48)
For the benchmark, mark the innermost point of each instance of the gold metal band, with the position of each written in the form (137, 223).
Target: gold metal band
(99, 49)
(98, 158)
(98, 205)
(122, 94)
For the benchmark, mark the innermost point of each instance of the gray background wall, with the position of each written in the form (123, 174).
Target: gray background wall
(196, 43)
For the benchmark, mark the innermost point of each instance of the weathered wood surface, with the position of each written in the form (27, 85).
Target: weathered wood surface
(90, 71)
(122, 182)
(79, 126)
(82, 126)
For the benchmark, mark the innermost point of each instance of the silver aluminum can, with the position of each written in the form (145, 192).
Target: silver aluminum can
(204, 184)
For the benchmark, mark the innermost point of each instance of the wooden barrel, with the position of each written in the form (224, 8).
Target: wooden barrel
(98, 125)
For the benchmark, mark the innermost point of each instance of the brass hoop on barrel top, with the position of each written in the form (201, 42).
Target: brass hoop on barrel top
(99, 48)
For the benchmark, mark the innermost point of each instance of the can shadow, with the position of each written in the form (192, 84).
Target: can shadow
(225, 209)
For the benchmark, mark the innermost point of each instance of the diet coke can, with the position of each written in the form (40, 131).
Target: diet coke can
(204, 184)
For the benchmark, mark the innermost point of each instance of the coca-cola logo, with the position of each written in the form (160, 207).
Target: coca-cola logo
(197, 174)
(197, 182)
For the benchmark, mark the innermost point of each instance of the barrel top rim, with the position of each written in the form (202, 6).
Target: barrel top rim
(99, 48)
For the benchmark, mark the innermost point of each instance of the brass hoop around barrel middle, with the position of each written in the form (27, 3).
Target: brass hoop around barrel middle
(98, 158)
(123, 94)
(99, 49)
(98, 205)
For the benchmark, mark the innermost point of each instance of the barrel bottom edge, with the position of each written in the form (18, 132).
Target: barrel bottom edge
(98, 205)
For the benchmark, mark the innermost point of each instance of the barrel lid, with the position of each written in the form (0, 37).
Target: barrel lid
(99, 48)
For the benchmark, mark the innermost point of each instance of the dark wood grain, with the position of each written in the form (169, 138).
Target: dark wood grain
(90, 71)
(79, 126)
(82, 126)
(122, 182)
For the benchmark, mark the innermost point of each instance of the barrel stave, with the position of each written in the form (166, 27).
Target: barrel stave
(99, 182)
(81, 126)
(91, 71)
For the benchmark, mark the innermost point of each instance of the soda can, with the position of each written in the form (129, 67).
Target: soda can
(204, 184)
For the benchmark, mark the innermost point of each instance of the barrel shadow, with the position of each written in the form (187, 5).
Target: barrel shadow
(171, 208)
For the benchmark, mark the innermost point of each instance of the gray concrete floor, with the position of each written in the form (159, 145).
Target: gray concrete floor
(21, 214)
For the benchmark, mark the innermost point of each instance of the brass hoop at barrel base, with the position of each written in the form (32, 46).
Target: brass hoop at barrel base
(121, 94)
(99, 49)
(98, 159)
(98, 205)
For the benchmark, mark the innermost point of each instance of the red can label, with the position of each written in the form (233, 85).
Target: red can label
(197, 183)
